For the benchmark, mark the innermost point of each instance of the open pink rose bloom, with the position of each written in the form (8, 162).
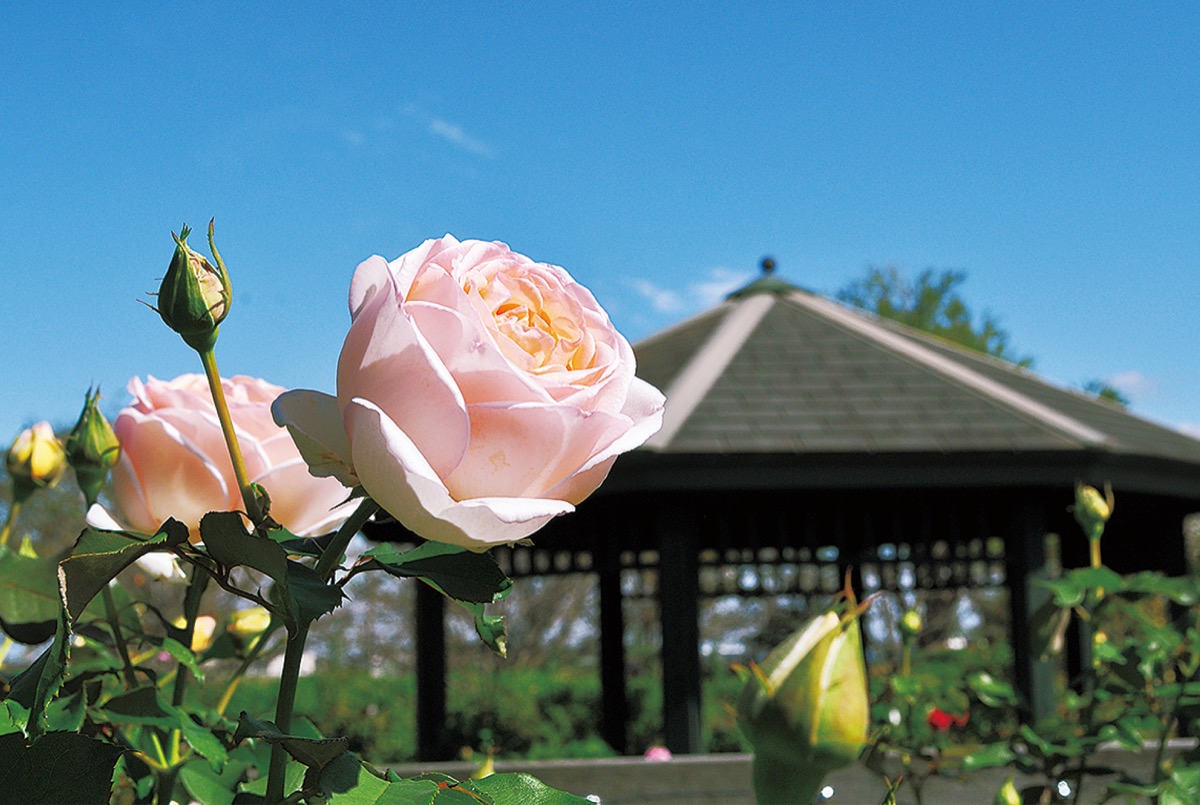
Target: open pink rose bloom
(479, 394)
(174, 462)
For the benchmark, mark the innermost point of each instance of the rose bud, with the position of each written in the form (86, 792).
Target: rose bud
(194, 297)
(92, 448)
(36, 460)
(247, 624)
(1093, 510)
(805, 709)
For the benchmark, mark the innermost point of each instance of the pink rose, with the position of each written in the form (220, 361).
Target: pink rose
(479, 394)
(174, 462)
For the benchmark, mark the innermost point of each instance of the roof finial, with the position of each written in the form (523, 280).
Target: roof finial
(768, 266)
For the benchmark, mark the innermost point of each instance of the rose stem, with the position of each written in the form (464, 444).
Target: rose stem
(294, 652)
(114, 624)
(13, 508)
(209, 359)
(337, 546)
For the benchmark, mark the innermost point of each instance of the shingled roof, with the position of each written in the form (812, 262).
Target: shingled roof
(779, 371)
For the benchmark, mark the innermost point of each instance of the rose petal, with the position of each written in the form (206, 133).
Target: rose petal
(399, 478)
(386, 360)
(315, 422)
(304, 506)
(521, 450)
(171, 478)
(480, 371)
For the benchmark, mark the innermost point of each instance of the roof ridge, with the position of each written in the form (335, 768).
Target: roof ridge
(965, 376)
(707, 364)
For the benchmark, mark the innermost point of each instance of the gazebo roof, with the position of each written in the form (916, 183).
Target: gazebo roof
(777, 371)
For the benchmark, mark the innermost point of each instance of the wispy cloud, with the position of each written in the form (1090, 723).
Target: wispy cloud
(661, 299)
(1133, 384)
(719, 283)
(703, 293)
(453, 133)
(352, 137)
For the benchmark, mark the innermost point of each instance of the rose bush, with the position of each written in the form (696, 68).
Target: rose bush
(174, 462)
(479, 393)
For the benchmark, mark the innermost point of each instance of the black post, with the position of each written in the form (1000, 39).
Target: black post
(1025, 557)
(431, 674)
(679, 613)
(614, 712)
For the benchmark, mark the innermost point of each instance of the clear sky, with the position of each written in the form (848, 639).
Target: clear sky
(656, 150)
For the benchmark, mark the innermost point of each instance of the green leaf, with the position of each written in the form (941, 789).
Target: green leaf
(303, 595)
(210, 787)
(28, 590)
(314, 753)
(97, 558)
(988, 757)
(33, 688)
(525, 789)
(1048, 630)
(141, 706)
(202, 739)
(311, 596)
(59, 767)
(180, 653)
(228, 541)
(457, 572)
(992, 691)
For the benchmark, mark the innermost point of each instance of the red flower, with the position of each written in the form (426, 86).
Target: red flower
(940, 721)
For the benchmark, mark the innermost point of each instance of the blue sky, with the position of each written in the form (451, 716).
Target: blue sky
(657, 151)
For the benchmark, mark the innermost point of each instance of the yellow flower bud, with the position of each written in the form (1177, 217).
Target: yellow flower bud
(194, 297)
(92, 448)
(910, 623)
(805, 709)
(247, 624)
(36, 460)
(1092, 509)
(1008, 794)
(202, 631)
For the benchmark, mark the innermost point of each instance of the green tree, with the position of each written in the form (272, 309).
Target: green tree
(931, 303)
(1106, 393)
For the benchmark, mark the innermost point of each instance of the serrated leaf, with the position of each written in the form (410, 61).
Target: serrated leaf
(59, 767)
(526, 789)
(97, 558)
(314, 753)
(28, 590)
(202, 739)
(141, 706)
(228, 541)
(311, 596)
(179, 653)
(457, 572)
(209, 787)
(33, 688)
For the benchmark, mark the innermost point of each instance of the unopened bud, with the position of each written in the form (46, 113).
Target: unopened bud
(1008, 794)
(194, 297)
(92, 448)
(36, 460)
(247, 624)
(910, 623)
(805, 709)
(1092, 509)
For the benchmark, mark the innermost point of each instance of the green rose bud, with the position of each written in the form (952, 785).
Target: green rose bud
(35, 461)
(1093, 510)
(805, 709)
(194, 297)
(92, 448)
(1008, 794)
(910, 623)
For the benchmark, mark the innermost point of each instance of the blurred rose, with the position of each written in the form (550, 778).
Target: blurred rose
(940, 721)
(479, 393)
(174, 462)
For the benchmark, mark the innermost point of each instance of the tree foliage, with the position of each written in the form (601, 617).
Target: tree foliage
(931, 303)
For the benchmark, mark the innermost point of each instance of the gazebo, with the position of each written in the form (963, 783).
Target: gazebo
(801, 435)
